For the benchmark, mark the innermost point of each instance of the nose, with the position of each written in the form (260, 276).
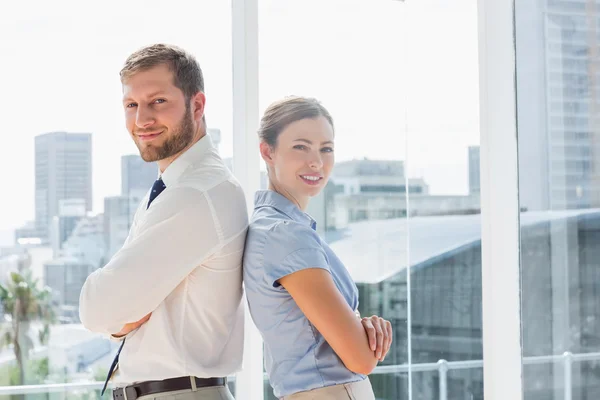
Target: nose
(144, 118)
(315, 162)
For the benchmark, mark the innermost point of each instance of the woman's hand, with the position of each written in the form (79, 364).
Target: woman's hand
(379, 332)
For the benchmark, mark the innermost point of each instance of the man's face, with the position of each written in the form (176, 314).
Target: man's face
(157, 115)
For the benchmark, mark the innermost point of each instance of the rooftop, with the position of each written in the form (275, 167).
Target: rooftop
(376, 250)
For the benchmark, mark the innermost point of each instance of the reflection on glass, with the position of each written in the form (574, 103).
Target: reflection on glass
(557, 95)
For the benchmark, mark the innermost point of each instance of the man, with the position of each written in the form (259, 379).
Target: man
(173, 293)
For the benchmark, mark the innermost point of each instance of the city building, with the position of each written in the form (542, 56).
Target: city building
(70, 212)
(118, 216)
(137, 175)
(20, 258)
(74, 351)
(66, 276)
(364, 190)
(80, 255)
(444, 257)
(63, 171)
(30, 235)
(557, 99)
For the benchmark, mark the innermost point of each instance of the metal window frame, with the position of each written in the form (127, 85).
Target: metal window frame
(500, 230)
(246, 164)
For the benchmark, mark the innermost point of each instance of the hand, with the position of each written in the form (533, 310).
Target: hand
(379, 333)
(132, 326)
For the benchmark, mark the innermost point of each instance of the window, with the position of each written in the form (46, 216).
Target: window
(435, 251)
(559, 232)
(436, 309)
(73, 148)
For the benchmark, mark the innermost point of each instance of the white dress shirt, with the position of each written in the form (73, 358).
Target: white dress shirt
(182, 261)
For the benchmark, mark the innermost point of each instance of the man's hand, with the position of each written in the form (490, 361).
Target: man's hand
(379, 332)
(132, 326)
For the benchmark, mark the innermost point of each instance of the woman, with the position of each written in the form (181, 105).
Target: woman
(300, 295)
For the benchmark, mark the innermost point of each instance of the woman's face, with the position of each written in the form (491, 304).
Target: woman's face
(302, 160)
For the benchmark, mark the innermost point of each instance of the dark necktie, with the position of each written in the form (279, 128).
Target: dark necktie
(157, 189)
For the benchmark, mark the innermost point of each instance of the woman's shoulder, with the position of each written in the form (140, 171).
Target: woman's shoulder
(282, 234)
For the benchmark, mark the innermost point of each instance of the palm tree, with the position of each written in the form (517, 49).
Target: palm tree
(23, 301)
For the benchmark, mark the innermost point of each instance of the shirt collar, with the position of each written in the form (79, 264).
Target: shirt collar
(189, 157)
(269, 198)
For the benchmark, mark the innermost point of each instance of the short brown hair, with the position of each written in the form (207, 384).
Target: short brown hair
(187, 74)
(286, 111)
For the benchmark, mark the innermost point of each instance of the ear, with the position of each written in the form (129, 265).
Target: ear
(266, 153)
(198, 102)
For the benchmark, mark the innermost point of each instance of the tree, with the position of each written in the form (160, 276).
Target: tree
(23, 301)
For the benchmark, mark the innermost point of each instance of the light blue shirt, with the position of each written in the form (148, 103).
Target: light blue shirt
(282, 240)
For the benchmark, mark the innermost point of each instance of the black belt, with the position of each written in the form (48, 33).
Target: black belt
(140, 389)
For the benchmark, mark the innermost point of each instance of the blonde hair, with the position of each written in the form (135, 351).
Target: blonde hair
(283, 112)
(187, 74)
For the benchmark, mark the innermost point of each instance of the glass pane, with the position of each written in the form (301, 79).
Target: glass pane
(73, 172)
(352, 60)
(397, 199)
(444, 199)
(557, 96)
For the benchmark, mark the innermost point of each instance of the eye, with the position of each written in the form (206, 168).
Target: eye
(130, 105)
(300, 147)
(160, 101)
(327, 149)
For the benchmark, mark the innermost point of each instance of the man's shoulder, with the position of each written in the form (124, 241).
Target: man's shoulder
(216, 194)
(206, 175)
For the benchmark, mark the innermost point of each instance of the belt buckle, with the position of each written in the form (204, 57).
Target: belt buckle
(125, 393)
(118, 394)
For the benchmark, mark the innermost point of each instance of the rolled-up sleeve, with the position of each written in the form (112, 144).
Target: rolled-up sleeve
(177, 233)
(292, 247)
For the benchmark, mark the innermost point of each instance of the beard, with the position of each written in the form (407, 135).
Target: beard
(182, 136)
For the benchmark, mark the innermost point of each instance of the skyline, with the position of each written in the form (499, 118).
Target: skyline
(6, 240)
(366, 88)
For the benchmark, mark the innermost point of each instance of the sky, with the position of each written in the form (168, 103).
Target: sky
(399, 78)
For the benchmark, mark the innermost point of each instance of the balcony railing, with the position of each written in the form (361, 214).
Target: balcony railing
(442, 367)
